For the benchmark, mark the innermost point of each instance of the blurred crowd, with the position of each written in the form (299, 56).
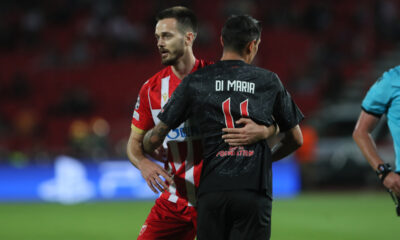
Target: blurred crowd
(71, 69)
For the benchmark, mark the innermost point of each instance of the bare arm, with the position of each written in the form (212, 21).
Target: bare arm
(149, 170)
(291, 141)
(362, 136)
(155, 137)
(250, 133)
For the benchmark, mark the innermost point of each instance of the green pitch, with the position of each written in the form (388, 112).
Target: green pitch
(310, 216)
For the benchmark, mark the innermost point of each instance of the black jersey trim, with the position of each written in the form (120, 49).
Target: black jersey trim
(378, 115)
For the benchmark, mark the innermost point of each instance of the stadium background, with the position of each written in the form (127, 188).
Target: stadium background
(70, 72)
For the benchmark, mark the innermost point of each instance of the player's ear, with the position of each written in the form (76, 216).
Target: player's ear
(252, 46)
(249, 47)
(222, 41)
(189, 38)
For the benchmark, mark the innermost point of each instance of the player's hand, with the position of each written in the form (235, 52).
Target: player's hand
(151, 172)
(160, 154)
(250, 133)
(392, 182)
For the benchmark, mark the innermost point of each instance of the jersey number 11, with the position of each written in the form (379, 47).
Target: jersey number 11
(226, 109)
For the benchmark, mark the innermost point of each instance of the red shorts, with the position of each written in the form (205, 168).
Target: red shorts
(168, 220)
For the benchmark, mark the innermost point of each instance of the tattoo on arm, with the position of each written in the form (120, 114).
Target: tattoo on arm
(155, 137)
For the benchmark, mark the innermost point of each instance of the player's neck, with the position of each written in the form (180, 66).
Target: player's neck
(184, 66)
(229, 55)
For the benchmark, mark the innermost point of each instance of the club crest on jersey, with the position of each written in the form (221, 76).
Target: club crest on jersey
(165, 97)
(143, 229)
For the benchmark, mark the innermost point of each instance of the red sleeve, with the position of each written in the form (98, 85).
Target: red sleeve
(142, 120)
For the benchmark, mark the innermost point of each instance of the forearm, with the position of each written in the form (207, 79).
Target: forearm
(362, 136)
(269, 132)
(368, 148)
(291, 141)
(155, 137)
(282, 150)
(135, 151)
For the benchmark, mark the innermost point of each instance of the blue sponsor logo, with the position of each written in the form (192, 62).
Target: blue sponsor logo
(177, 133)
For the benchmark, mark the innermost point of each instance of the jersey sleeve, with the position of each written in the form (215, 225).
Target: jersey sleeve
(178, 107)
(378, 97)
(142, 119)
(285, 111)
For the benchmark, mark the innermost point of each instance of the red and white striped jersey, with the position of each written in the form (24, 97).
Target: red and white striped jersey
(184, 160)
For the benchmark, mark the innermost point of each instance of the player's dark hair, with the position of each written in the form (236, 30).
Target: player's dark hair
(184, 16)
(239, 30)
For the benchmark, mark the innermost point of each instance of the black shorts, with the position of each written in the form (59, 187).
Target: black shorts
(234, 215)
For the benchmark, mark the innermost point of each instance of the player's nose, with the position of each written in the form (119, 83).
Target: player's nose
(160, 43)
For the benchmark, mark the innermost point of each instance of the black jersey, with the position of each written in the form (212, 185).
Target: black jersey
(215, 97)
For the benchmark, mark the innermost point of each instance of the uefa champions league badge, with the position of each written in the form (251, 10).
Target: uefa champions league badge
(143, 229)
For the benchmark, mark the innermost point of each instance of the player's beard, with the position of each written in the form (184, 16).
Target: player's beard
(173, 56)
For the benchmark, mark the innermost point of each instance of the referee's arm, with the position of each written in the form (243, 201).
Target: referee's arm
(362, 136)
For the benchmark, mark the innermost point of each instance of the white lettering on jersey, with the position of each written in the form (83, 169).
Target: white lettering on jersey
(219, 85)
(235, 85)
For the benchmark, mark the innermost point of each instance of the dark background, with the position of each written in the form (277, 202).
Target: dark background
(70, 72)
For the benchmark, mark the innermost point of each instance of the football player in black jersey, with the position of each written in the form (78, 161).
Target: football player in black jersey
(235, 195)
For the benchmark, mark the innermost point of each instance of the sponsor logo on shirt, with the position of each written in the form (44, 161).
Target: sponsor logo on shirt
(176, 133)
(183, 132)
(235, 151)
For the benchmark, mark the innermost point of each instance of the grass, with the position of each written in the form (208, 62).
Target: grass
(310, 216)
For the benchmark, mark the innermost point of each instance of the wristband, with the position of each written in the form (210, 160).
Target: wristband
(383, 170)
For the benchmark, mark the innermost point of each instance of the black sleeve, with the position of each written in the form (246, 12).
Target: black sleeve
(178, 107)
(286, 113)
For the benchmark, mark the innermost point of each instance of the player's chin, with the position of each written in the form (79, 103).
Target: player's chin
(168, 61)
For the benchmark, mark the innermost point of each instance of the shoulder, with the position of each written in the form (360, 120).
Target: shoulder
(203, 63)
(156, 78)
(204, 68)
(391, 77)
(265, 72)
(265, 75)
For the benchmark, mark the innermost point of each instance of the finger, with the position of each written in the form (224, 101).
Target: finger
(241, 143)
(232, 136)
(236, 140)
(243, 121)
(168, 178)
(164, 173)
(156, 183)
(162, 182)
(151, 186)
(236, 144)
(231, 130)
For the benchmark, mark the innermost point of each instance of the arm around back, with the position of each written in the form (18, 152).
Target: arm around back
(291, 141)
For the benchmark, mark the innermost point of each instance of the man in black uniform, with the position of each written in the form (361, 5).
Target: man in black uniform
(235, 192)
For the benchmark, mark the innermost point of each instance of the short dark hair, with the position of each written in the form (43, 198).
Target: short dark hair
(239, 30)
(183, 15)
